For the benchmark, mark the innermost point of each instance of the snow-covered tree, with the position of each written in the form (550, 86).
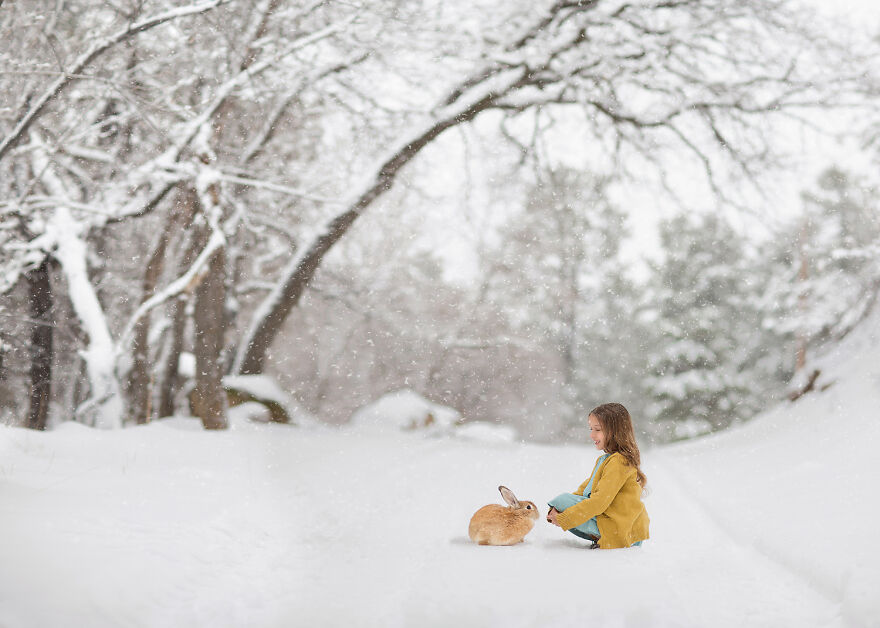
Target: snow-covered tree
(75, 180)
(644, 76)
(290, 120)
(831, 277)
(707, 365)
(559, 278)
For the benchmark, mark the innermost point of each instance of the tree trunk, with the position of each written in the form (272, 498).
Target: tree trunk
(800, 361)
(104, 408)
(140, 377)
(170, 376)
(209, 398)
(41, 349)
(170, 372)
(140, 383)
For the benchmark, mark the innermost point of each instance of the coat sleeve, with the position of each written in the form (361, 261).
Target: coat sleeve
(606, 487)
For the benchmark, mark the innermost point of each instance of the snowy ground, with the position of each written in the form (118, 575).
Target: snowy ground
(166, 525)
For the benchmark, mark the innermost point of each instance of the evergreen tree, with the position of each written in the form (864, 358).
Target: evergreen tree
(827, 269)
(709, 363)
(560, 273)
(838, 259)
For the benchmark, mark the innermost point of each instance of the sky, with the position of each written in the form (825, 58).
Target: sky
(857, 9)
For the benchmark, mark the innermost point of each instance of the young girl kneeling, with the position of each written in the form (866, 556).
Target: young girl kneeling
(607, 508)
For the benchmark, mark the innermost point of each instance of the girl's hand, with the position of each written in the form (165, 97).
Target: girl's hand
(551, 516)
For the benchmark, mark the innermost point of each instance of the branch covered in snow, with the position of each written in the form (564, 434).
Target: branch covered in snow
(642, 73)
(96, 50)
(99, 355)
(184, 284)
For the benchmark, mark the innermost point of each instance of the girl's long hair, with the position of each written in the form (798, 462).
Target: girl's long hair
(620, 436)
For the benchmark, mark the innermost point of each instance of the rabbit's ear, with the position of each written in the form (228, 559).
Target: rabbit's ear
(508, 496)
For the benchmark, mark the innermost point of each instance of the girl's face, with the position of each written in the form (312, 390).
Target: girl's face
(596, 433)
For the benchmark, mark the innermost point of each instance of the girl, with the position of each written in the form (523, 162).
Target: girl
(607, 508)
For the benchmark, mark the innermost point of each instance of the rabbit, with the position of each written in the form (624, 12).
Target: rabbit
(497, 525)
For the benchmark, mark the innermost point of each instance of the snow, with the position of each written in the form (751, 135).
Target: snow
(404, 410)
(486, 432)
(259, 386)
(769, 524)
(265, 389)
(187, 365)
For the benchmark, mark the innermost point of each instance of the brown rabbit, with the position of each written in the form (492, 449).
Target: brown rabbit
(497, 525)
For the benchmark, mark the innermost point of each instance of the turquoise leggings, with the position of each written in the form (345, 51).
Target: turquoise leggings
(588, 530)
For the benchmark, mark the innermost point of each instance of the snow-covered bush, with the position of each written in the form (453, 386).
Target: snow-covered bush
(405, 410)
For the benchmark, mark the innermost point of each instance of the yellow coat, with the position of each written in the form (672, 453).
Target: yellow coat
(615, 501)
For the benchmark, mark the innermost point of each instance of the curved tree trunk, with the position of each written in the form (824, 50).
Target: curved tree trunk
(274, 311)
(104, 408)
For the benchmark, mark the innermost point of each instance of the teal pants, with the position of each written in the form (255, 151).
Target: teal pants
(588, 530)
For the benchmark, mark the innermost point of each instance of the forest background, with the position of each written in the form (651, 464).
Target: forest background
(515, 209)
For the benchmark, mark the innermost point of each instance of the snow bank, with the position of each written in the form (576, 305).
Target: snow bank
(404, 410)
(260, 386)
(798, 483)
(486, 432)
(407, 411)
(159, 525)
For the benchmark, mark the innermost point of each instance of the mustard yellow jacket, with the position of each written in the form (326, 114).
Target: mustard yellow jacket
(615, 501)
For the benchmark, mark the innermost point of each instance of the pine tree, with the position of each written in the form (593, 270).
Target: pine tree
(827, 276)
(708, 364)
(842, 249)
(560, 273)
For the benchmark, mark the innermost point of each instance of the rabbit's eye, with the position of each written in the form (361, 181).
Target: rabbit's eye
(528, 507)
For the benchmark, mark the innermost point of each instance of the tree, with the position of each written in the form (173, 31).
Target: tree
(42, 354)
(707, 364)
(104, 145)
(643, 74)
(831, 278)
(64, 182)
(560, 279)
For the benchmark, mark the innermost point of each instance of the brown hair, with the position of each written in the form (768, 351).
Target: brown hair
(619, 435)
